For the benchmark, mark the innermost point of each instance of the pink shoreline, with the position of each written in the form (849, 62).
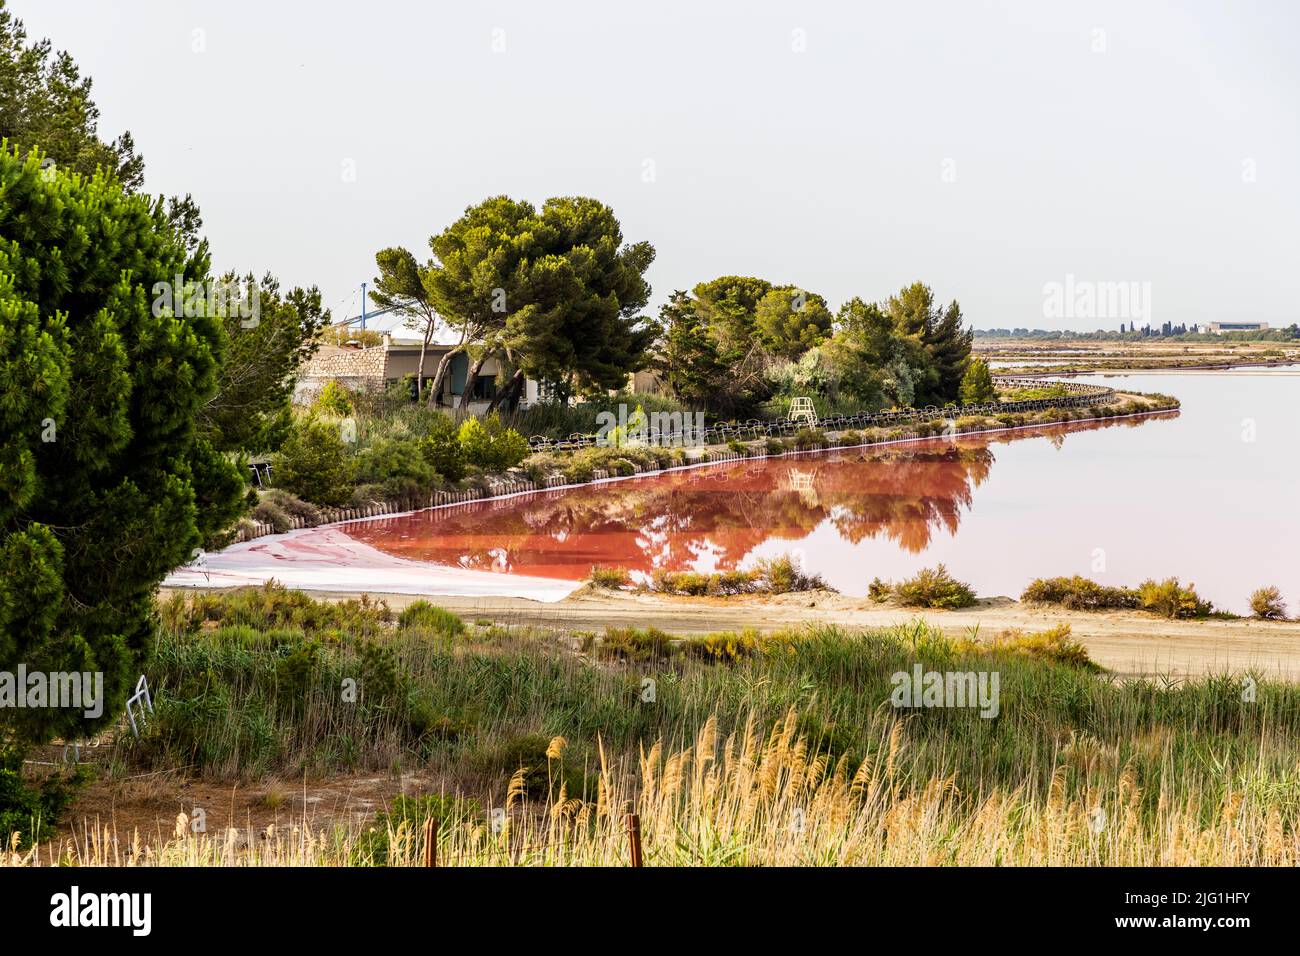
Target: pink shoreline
(326, 558)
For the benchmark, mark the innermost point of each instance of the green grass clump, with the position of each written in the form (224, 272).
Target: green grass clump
(422, 614)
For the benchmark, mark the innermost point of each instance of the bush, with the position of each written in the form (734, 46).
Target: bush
(428, 616)
(879, 590)
(609, 579)
(31, 811)
(398, 466)
(977, 384)
(775, 446)
(441, 447)
(783, 575)
(1078, 594)
(290, 504)
(1054, 645)
(489, 445)
(268, 512)
(808, 438)
(334, 399)
(1170, 599)
(313, 464)
(934, 587)
(634, 644)
(1267, 603)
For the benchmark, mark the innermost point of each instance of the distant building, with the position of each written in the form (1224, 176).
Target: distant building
(1219, 328)
(378, 366)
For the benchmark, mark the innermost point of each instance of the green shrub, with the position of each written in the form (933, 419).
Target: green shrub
(1078, 594)
(441, 447)
(398, 466)
(31, 811)
(428, 616)
(334, 399)
(977, 384)
(934, 587)
(488, 444)
(879, 590)
(782, 575)
(269, 512)
(1055, 645)
(634, 644)
(1170, 599)
(775, 446)
(291, 505)
(313, 463)
(1267, 603)
(609, 579)
(808, 438)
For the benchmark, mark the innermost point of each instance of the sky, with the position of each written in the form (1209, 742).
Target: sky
(1001, 152)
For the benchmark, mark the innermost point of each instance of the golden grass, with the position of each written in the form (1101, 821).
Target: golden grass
(754, 799)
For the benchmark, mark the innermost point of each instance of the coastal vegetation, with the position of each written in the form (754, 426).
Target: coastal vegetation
(716, 741)
(1167, 598)
(929, 587)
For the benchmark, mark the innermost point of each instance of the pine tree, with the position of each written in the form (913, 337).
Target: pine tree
(106, 483)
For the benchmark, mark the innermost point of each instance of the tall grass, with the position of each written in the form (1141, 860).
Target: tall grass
(737, 733)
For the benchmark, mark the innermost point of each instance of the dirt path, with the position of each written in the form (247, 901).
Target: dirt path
(1126, 642)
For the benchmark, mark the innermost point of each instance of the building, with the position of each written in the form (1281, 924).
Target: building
(374, 368)
(1219, 328)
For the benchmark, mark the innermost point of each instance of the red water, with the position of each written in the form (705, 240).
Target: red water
(907, 497)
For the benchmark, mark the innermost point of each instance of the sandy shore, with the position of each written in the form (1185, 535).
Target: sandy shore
(1125, 642)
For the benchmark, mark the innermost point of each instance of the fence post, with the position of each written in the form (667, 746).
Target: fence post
(634, 837)
(431, 842)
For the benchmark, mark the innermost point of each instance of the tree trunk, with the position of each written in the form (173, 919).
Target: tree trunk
(419, 369)
(472, 379)
(508, 397)
(440, 375)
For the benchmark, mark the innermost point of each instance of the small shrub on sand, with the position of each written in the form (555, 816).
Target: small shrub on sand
(609, 579)
(934, 587)
(1170, 599)
(1267, 603)
(1078, 594)
(783, 574)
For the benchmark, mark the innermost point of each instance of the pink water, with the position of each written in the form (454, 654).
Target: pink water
(1208, 494)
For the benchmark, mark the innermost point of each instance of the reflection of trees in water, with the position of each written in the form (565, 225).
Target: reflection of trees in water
(710, 517)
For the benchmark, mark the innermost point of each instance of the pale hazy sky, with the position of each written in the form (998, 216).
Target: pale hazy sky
(987, 148)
